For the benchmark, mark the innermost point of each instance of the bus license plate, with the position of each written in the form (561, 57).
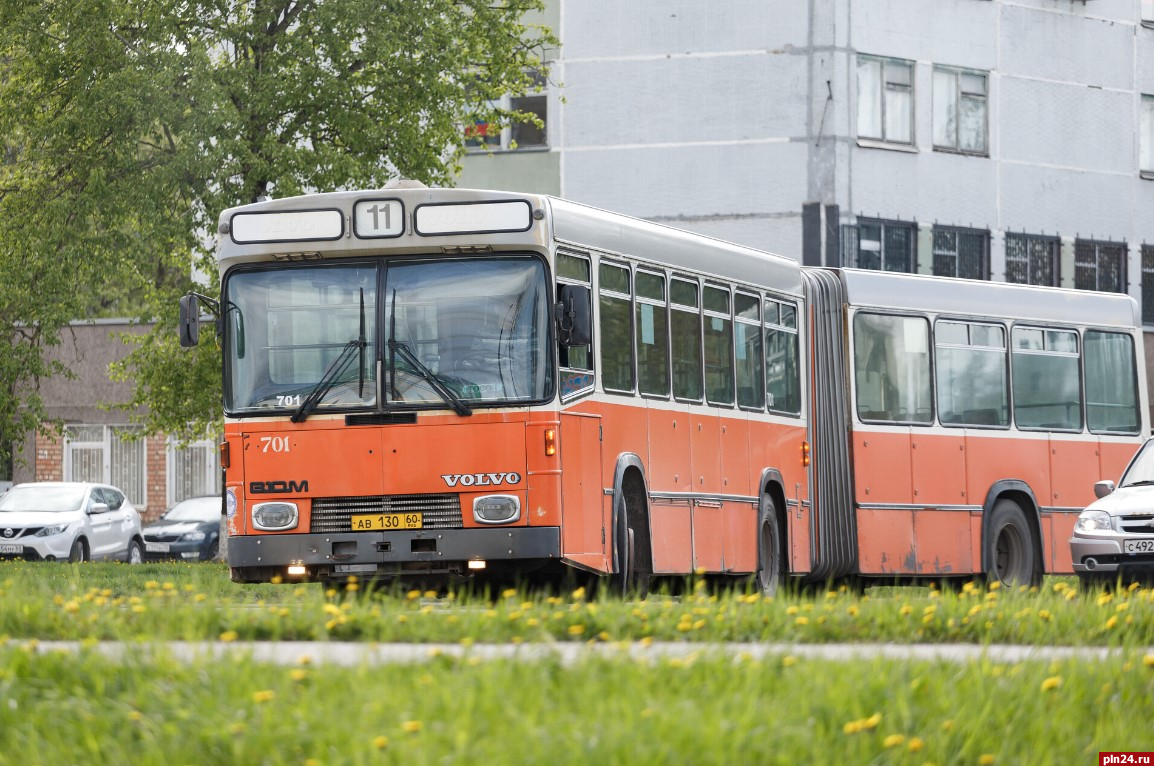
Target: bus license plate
(386, 521)
(1138, 546)
(11, 548)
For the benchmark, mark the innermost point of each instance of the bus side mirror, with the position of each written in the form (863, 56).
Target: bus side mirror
(189, 321)
(574, 322)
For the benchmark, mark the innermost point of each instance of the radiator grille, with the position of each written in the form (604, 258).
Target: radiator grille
(334, 514)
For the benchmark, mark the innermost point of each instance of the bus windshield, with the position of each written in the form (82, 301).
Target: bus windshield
(477, 329)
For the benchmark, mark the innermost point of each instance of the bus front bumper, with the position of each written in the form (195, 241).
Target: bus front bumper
(338, 556)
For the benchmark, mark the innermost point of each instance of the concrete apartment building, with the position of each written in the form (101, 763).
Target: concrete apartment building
(992, 139)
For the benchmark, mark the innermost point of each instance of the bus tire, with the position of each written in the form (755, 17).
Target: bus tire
(770, 556)
(1011, 556)
(628, 580)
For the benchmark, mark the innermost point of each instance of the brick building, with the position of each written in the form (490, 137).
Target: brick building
(99, 443)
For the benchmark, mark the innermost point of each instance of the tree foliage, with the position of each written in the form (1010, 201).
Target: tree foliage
(131, 124)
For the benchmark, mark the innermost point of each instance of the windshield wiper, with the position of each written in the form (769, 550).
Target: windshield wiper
(430, 377)
(353, 349)
(329, 379)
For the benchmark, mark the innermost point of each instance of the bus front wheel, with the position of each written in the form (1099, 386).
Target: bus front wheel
(1011, 556)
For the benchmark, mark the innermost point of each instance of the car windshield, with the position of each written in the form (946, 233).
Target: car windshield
(196, 509)
(1141, 468)
(44, 498)
(379, 334)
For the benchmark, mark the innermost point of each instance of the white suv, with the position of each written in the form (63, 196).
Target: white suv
(69, 521)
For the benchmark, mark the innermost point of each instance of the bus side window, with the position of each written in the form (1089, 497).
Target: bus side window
(892, 368)
(1047, 394)
(718, 346)
(782, 369)
(747, 345)
(652, 331)
(685, 325)
(616, 354)
(1111, 383)
(576, 361)
(972, 374)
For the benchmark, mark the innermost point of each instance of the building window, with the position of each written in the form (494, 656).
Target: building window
(1148, 284)
(885, 245)
(193, 470)
(960, 122)
(109, 455)
(519, 135)
(961, 253)
(1100, 266)
(1146, 137)
(885, 99)
(1032, 260)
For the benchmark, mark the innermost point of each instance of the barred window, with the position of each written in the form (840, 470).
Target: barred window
(1100, 266)
(193, 470)
(1147, 284)
(961, 252)
(1032, 259)
(885, 245)
(1146, 136)
(109, 455)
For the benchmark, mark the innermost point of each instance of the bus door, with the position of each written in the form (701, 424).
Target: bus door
(585, 510)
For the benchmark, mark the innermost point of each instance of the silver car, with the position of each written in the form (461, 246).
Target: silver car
(69, 521)
(1114, 536)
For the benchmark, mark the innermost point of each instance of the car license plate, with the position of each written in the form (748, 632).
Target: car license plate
(157, 547)
(377, 521)
(10, 548)
(1138, 546)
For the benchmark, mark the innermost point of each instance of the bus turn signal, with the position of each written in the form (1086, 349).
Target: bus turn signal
(550, 442)
(805, 454)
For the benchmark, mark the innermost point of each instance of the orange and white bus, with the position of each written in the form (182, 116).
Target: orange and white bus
(441, 383)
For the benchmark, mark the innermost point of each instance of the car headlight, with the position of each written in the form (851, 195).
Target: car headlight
(1093, 521)
(193, 537)
(55, 529)
(496, 509)
(272, 516)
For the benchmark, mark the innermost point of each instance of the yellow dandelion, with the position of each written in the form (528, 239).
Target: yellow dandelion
(263, 696)
(873, 721)
(852, 727)
(509, 593)
(915, 745)
(413, 595)
(1112, 622)
(894, 740)
(139, 609)
(412, 727)
(987, 759)
(228, 636)
(298, 674)
(801, 621)
(1051, 683)
(1148, 660)
(578, 595)
(788, 661)
(792, 610)
(380, 743)
(135, 715)
(576, 630)
(852, 610)
(1044, 614)
(1105, 597)
(906, 610)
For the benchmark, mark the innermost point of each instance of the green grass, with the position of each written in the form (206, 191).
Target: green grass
(197, 602)
(706, 709)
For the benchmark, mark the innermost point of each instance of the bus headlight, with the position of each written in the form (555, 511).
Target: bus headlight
(496, 509)
(272, 516)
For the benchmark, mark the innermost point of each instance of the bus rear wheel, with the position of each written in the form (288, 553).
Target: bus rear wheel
(1011, 556)
(770, 561)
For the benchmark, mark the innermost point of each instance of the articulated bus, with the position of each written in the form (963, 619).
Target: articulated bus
(431, 384)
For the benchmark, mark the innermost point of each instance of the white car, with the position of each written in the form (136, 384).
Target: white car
(69, 521)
